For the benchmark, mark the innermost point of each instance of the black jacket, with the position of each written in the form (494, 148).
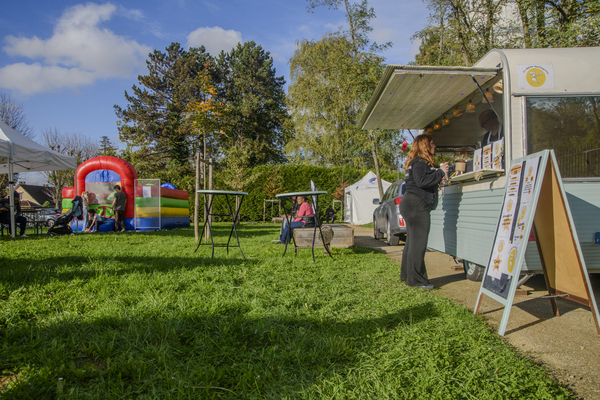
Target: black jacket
(422, 179)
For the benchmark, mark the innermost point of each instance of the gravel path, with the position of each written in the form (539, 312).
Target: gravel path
(568, 345)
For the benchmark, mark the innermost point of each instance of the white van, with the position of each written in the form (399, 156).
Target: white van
(545, 99)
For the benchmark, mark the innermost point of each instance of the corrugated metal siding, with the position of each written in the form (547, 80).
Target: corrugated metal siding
(584, 201)
(464, 224)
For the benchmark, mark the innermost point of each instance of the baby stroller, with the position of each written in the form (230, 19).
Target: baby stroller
(62, 226)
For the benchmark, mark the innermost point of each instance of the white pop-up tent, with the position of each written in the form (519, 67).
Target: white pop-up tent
(21, 154)
(358, 199)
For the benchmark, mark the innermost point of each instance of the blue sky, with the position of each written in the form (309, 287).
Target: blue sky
(69, 62)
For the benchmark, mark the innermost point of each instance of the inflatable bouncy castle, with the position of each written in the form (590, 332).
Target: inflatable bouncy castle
(150, 206)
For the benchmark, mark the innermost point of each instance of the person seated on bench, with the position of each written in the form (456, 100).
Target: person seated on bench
(94, 221)
(304, 210)
(5, 214)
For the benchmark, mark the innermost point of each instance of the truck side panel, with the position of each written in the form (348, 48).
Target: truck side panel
(464, 224)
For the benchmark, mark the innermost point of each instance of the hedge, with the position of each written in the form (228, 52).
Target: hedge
(289, 178)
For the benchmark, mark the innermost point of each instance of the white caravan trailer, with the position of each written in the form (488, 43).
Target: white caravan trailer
(545, 98)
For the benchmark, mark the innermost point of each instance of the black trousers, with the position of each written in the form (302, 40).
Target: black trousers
(19, 219)
(416, 214)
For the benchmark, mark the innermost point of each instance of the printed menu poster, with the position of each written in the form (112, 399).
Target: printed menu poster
(528, 183)
(514, 180)
(510, 238)
(520, 226)
(529, 175)
(507, 218)
(498, 154)
(477, 160)
(487, 157)
(499, 261)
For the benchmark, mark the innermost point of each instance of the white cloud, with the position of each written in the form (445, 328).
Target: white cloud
(78, 53)
(35, 78)
(214, 39)
(304, 29)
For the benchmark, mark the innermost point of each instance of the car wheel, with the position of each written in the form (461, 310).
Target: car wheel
(376, 232)
(50, 223)
(473, 272)
(392, 240)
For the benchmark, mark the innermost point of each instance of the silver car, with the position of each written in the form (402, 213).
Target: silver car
(49, 216)
(386, 218)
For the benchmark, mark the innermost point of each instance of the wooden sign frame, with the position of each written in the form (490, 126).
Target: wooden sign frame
(544, 211)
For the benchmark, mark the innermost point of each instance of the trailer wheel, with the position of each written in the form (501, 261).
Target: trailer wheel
(473, 272)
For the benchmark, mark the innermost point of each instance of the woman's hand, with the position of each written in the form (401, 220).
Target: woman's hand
(445, 167)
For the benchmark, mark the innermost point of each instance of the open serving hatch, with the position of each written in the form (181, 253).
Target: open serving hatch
(417, 97)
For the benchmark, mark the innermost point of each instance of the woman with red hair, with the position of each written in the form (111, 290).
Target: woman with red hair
(422, 181)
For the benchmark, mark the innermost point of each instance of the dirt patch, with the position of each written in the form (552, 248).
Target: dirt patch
(6, 380)
(568, 345)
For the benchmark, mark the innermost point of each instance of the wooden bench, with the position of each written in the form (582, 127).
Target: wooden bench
(343, 236)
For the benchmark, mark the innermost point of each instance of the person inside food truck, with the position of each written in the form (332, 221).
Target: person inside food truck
(489, 121)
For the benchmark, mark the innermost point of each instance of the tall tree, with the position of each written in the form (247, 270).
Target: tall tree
(73, 144)
(331, 82)
(462, 31)
(155, 123)
(106, 147)
(12, 114)
(256, 111)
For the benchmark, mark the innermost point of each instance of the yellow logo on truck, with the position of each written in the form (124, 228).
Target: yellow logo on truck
(536, 77)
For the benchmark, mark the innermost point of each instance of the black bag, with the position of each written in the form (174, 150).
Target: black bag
(310, 221)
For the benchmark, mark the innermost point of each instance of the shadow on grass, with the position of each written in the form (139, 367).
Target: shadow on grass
(219, 229)
(226, 354)
(25, 271)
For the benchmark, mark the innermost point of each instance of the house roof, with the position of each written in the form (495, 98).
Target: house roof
(38, 193)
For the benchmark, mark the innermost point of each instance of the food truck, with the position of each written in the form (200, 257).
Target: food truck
(544, 99)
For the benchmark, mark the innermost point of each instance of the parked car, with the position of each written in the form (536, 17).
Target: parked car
(386, 218)
(48, 215)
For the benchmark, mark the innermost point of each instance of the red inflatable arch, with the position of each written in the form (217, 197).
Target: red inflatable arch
(121, 167)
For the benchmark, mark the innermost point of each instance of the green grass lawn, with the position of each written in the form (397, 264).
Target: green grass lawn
(139, 315)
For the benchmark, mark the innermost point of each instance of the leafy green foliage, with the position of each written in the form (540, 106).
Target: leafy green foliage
(460, 31)
(331, 84)
(288, 178)
(107, 148)
(107, 316)
(155, 117)
(246, 81)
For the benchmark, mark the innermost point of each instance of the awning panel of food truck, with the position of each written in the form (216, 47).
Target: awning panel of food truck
(409, 96)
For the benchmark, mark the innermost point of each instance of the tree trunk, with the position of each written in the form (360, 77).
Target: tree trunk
(376, 162)
(524, 23)
(441, 50)
(210, 187)
(540, 14)
(462, 37)
(196, 198)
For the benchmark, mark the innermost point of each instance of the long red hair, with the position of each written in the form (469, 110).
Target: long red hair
(421, 147)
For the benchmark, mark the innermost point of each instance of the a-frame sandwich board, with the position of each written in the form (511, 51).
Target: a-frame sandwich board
(535, 199)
